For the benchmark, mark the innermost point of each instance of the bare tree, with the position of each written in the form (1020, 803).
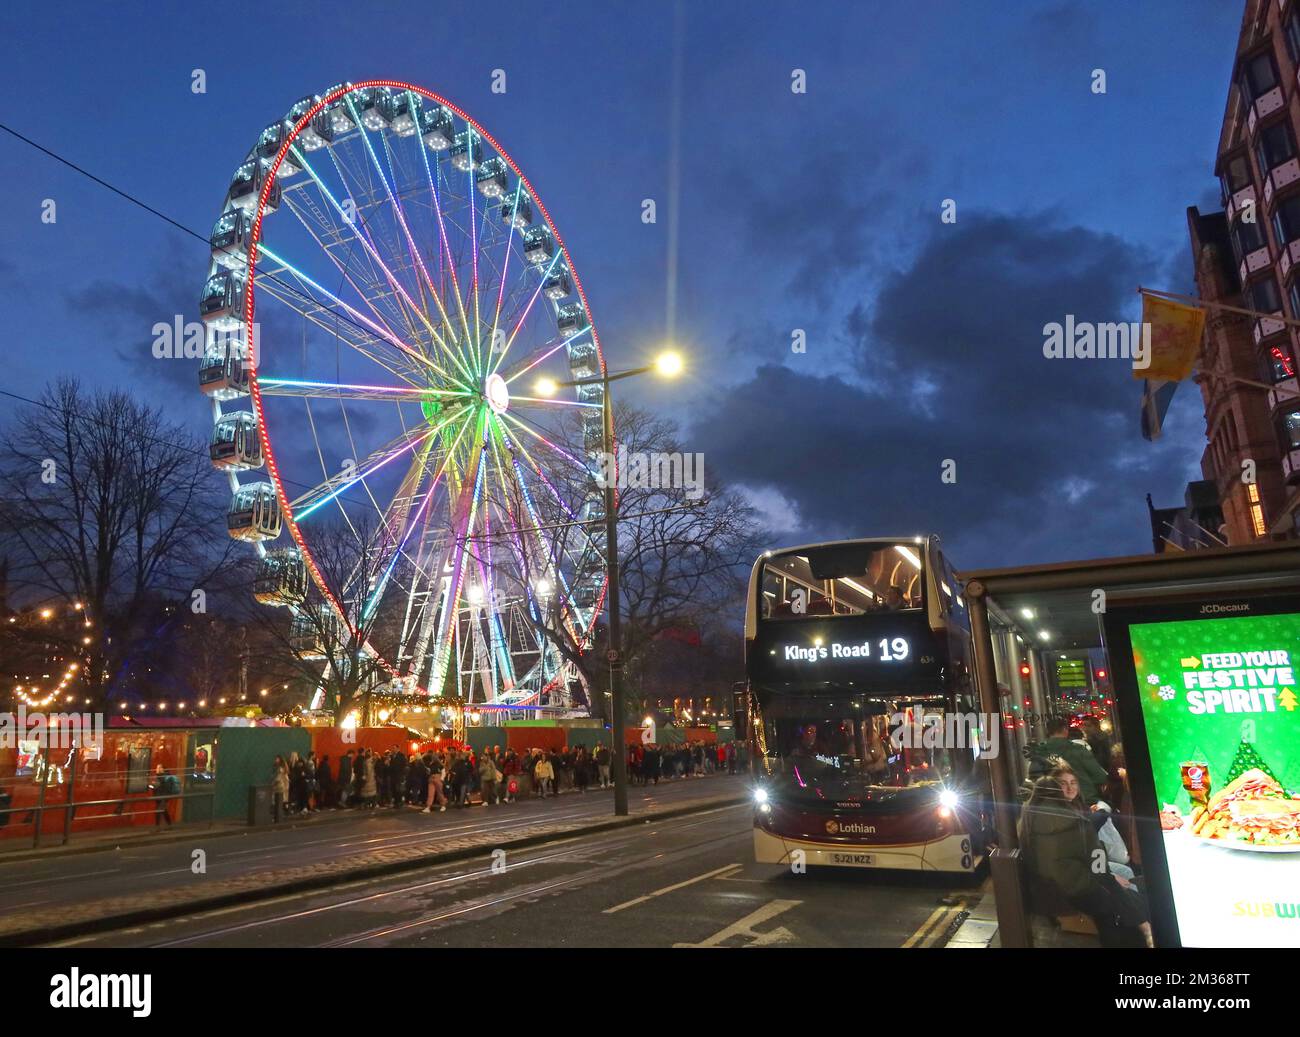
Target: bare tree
(327, 648)
(106, 502)
(683, 555)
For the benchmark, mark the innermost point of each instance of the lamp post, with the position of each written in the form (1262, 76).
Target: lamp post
(668, 365)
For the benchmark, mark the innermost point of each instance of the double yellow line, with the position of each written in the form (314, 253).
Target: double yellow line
(933, 928)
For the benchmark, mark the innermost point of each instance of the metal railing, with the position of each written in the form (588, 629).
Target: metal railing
(34, 813)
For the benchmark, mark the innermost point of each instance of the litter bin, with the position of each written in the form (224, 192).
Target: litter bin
(261, 805)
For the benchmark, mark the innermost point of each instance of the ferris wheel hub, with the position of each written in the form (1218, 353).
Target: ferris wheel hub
(497, 393)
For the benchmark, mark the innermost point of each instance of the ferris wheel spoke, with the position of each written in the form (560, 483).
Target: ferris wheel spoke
(549, 554)
(423, 631)
(569, 511)
(372, 219)
(400, 214)
(344, 391)
(475, 235)
(550, 401)
(374, 254)
(374, 293)
(444, 250)
(332, 487)
(381, 330)
(523, 317)
(539, 355)
(356, 229)
(350, 333)
(526, 426)
(462, 522)
(405, 524)
(553, 552)
(505, 264)
(492, 597)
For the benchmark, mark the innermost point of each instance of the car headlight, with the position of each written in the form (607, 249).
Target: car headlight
(760, 796)
(948, 798)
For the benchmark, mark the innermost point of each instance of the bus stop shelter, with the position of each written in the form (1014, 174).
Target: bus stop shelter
(1025, 619)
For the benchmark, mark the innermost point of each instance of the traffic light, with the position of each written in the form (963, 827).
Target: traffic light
(1101, 675)
(1024, 670)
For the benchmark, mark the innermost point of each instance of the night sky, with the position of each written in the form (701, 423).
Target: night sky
(816, 211)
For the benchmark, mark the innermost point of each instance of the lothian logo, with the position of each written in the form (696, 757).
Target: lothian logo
(834, 827)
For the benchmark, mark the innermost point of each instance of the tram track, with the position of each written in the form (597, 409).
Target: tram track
(147, 914)
(570, 851)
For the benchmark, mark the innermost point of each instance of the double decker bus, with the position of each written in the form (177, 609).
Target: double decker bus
(857, 664)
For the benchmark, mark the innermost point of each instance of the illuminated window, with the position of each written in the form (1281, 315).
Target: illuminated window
(1289, 429)
(1257, 519)
(1278, 365)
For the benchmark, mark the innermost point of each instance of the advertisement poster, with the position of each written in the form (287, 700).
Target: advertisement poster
(1219, 703)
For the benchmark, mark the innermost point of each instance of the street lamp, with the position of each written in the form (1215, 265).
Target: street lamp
(667, 365)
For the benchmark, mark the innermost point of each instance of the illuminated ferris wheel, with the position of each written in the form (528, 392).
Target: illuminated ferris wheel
(383, 280)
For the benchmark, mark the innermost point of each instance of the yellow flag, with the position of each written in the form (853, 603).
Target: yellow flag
(1175, 338)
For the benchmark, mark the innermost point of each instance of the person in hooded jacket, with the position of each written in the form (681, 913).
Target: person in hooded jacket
(359, 776)
(511, 769)
(1079, 757)
(460, 779)
(381, 777)
(489, 778)
(397, 767)
(345, 781)
(1068, 869)
(369, 780)
(297, 784)
(280, 785)
(325, 782)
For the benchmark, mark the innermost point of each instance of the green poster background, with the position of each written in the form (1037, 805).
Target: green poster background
(1176, 735)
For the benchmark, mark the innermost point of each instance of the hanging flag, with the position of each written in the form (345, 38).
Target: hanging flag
(1174, 338)
(1155, 404)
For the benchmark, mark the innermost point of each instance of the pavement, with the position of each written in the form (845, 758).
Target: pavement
(675, 879)
(55, 894)
(19, 848)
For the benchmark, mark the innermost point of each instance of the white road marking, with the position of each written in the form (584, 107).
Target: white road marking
(669, 889)
(745, 927)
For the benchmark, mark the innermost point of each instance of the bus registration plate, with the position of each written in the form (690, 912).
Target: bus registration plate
(853, 858)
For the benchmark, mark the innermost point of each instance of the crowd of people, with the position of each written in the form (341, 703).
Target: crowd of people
(649, 764)
(462, 777)
(1077, 858)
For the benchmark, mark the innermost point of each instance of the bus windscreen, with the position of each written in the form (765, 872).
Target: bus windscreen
(815, 754)
(842, 580)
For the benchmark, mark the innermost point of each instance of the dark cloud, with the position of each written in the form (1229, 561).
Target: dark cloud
(818, 216)
(1049, 461)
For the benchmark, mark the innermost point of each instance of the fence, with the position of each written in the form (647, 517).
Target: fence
(28, 802)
